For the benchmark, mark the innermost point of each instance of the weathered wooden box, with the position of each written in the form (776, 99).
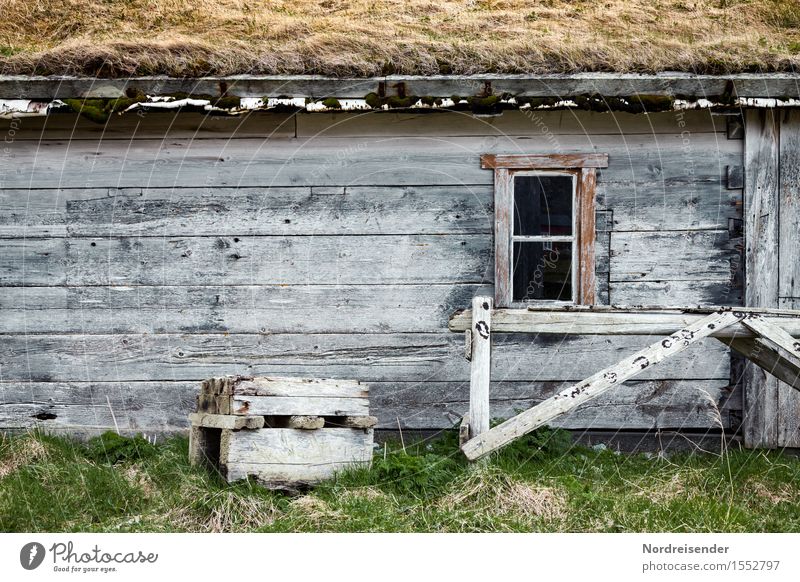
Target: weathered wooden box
(281, 431)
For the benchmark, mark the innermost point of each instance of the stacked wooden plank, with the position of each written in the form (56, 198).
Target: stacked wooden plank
(283, 432)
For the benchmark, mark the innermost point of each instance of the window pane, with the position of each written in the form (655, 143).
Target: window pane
(543, 205)
(542, 270)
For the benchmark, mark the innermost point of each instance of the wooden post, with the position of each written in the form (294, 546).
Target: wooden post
(480, 372)
(762, 146)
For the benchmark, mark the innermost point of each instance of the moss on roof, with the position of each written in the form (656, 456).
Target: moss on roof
(374, 37)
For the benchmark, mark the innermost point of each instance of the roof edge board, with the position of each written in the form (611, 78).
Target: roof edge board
(684, 85)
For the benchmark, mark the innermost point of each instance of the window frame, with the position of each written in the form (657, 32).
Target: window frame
(584, 169)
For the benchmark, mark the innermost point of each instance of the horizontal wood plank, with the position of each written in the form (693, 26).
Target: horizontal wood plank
(33, 262)
(689, 85)
(367, 357)
(299, 447)
(155, 125)
(232, 308)
(226, 421)
(673, 256)
(280, 475)
(300, 260)
(245, 211)
(691, 203)
(636, 404)
(676, 293)
(544, 161)
(338, 162)
(542, 123)
(297, 405)
(157, 408)
(266, 386)
(610, 322)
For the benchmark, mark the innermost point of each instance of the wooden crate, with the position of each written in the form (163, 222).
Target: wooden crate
(284, 432)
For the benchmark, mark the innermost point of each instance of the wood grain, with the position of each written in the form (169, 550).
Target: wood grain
(762, 154)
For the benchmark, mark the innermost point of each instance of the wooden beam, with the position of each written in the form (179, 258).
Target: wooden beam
(543, 161)
(776, 335)
(766, 358)
(481, 365)
(595, 385)
(603, 322)
(226, 421)
(305, 422)
(689, 85)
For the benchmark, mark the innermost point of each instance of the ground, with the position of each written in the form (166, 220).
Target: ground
(376, 37)
(542, 483)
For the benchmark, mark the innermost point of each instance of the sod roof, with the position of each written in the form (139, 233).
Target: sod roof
(120, 38)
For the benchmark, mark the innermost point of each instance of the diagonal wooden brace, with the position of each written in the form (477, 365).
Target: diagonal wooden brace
(568, 399)
(776, 335)
(764, 356)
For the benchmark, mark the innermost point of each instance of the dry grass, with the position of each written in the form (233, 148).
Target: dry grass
(772, 493)
(221, 511)
(492, 490)
(20, 452)
(315, 511)
(364, 38)
(664, 490)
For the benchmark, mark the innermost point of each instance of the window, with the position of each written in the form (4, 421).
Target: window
(544, 227)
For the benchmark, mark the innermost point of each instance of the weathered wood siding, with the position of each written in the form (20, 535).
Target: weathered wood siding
(141, 257)
(772, 191)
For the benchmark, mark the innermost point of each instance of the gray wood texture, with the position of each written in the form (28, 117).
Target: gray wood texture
(369, 357)
(226, 421)
(480, 365)
(338, 247)
(281, 455)
(315, 86)
(232, 308)
(671, 255)
(160, 408)
(510, 123)
(368, 161)
(613, 322)
(762, 155)
(789, 260)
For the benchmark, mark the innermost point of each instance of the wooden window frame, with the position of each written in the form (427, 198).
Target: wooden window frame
(584, 168)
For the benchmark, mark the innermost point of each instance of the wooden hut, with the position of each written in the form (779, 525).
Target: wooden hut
(160, 230)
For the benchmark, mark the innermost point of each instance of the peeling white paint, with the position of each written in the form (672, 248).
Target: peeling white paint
(10, 108)
(176, 104)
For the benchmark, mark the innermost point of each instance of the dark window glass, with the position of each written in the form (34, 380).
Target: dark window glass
(543, 205)
(542, 270)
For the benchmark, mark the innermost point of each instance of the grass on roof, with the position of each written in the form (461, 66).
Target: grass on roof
(540, 483)
(375, 37)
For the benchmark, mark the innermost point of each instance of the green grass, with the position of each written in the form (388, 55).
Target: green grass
(541, 483)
